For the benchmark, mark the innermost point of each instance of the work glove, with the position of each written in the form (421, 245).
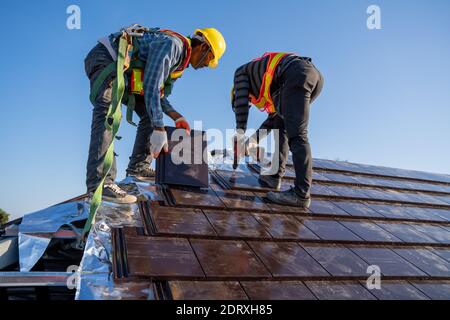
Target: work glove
(253, 149)
(238, 141)
(158, 142)
(182, 123)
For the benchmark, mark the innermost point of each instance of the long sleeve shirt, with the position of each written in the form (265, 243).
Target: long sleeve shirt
(248, 80)
(161, 53)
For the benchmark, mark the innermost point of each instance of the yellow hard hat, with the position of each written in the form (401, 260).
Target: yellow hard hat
(216, 42)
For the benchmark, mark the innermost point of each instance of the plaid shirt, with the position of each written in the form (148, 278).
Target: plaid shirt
(162, 54)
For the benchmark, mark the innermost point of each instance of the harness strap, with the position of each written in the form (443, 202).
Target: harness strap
(112, 124)
(105, 41)
(108, 71)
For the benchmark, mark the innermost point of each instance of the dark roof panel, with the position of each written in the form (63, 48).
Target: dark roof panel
(230, 242)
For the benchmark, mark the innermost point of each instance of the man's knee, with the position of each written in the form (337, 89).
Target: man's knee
(300, 139)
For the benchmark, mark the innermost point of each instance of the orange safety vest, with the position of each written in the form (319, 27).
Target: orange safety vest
(264, 101)
(137, 74)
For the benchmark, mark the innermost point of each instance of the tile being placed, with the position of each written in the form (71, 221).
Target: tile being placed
(357, 209)
(287, 259)
(433, 289)
(228, 259)
(236, 224)
(207, 290)
(426, 260)
(369, 231)
(337, 260)
(390, 263)
(182, 221)
(282, 226)
(339, 290)
(162, 257)
(326, 207)
(194, 197)
(397, 290)
(406, 232)
(183, 164)
(277, 290)
(328, 229)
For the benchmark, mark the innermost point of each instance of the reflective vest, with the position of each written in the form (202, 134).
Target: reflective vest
(137, 74)
(264, 101)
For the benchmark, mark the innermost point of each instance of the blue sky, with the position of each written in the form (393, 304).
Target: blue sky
(386, 99)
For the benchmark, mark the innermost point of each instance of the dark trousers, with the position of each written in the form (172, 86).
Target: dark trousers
(299, 86)
(97, 59)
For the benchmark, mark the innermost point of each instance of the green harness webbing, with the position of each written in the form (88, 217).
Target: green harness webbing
(112, 122)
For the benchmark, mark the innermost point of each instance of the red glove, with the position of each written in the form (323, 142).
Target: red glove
(182, 123)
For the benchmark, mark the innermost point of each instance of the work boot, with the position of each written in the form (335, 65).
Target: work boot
(289, 198)
(112, 192)
(270, 182)
(143, 174)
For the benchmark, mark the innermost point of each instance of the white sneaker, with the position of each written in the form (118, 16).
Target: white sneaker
(112, 192)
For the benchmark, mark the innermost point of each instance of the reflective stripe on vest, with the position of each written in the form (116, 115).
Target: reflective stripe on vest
(264, 101)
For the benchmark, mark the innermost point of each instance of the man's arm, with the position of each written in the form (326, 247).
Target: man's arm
(166, 106)
(240, 102)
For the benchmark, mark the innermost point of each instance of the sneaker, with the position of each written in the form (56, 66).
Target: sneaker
(270, 182)
(144, 173)
(289, 198)
(112, 192)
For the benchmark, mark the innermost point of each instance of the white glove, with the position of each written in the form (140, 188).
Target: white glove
(158, 141)
(253, 149)
(251, 145)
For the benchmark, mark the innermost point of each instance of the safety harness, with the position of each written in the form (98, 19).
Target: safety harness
(264, 100)
(126, 60)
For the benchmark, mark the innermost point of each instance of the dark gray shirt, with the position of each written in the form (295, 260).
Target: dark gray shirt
(248, 80)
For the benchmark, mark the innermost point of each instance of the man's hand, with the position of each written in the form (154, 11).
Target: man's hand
(253, 149)
(158, 142)
(182, 123)
(238, 147)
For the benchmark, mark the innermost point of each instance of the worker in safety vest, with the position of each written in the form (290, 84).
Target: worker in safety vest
(156, 60)
(283, 85)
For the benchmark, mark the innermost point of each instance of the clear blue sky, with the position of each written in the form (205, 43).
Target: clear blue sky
(386, 99)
